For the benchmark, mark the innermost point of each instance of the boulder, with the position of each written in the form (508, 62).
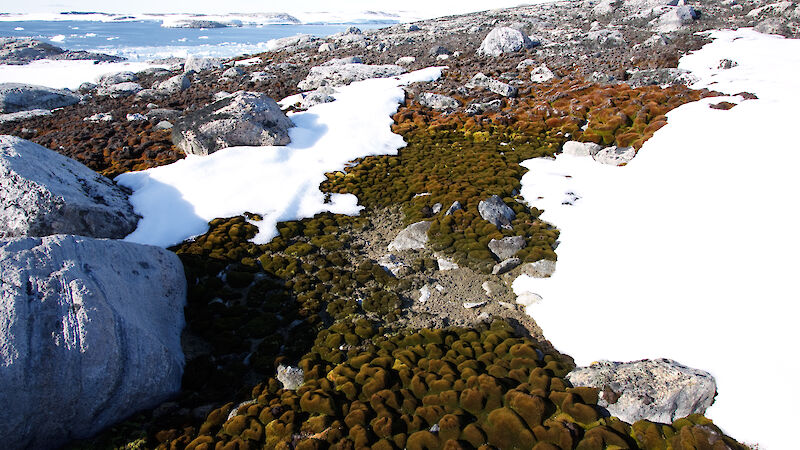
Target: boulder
(15, 97)
(43, 193)
(605, 39)
(525, 63)
(89, 335)
(119, 90)
(615, 156)
(322, 94)
(326, 47)
(542, 74)
(543, 268)
(664, 76)
(482, 107)
(413, 237)
(345, 60)
(394, 265)
(15, 51)
(232, 72)
(507, 247)
(498, 87)
(244, 118)
(198, 63)
(107, 79)
(290, 377)
(576, 148)
(438, 50)
(344, 74)
(504, 40)
(659, 390)
(437, 101)
(496, 212)
(405, 60)
(174, 84)
(24, 115)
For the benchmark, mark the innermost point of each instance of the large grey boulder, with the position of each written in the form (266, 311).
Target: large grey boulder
(43, 193)
(498, 87)
(24, 115)
(659, 390)
(344, 74)
(507, 247)
(89, 334)
(119, 90)
(107, 79)
(198, 64)
(495, 211)
(15, 97)
(175, 84)
(438, 101)
(413, 237)
(244, 118)
(504, 40)
(615, 156)
(664, 76)
(674, 19)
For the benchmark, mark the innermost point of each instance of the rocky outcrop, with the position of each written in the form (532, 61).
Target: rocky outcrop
(498, 87)
(413, 237)
(659, 390)
(344, 74)
(244, 118)
(496, 212)
(438, 101)
(665, 76)
(15, 97)
(504, 40)
(24, 115)
(25, 50)
(43, 193)
(89, 334)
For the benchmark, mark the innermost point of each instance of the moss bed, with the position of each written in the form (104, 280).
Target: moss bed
(431, 389)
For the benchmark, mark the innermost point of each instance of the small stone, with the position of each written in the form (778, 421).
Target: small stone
(291, 377)
(505, 266)
(496, 212)
(424, 294)
(528, 298)
(436, 208)
(135, 117)
(470, 305)
(542, 74)
(727, 64)
(453, 208)
(405, 61)
(446, 264)
(493, 288)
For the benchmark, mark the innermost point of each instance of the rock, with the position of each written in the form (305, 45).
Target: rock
(492, 288)
(446, 264)
(89, 334)
(576, 148)
(394, 265)
(505, 266)
(119, 90)
(198, 64)
(453, 208)
(344, 74)
(542, 74)
(528, 298)
(411, 27)
(424, 294)
(16, 51)
(726, 64)
(525, 63)
(496, 212)
(601, 78)
(674, 19)
(345, 60)
(666, 76)
(482, 107)
(291, 377)
(405, 60)
(504, 40)
(261, 76)
(615, 156)
(773, 25)
(24, 115)
(438, 50)
(327, 47)
(605, 39)
(86, 87)
(323, 94)
(163, 113)
(413, 237)
(135, 117)
(293, 43)
(232, 72)
(659, 390)
(108, 79)
(99, 117)
(353, 30)
(244, 118)
(163, 125)
(543, 268)
(436, 208)
(437, 101)
(150, 95)
(498, 87)
(15, 97)
(175, 84)
(43, 193)
(471, 305)
(507, 247)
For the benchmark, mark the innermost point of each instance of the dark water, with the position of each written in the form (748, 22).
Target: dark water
(142, 40)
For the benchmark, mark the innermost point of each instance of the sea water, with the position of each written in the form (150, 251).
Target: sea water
(143, 40)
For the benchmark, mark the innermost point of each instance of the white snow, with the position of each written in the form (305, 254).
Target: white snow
(280, 183)
(690, 251)
(64, 74)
